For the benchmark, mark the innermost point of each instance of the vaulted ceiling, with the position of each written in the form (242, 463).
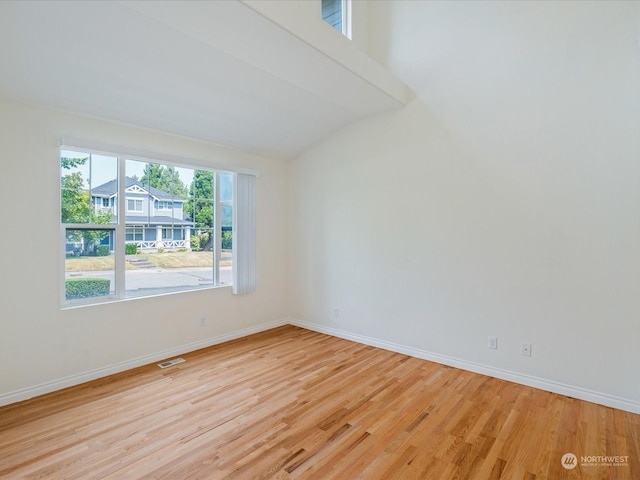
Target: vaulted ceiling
(243, 74)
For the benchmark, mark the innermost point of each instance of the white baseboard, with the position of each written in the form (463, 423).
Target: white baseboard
(528, 380)
(48, 387)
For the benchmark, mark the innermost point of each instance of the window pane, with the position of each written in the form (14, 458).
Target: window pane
(227, 216)
(88, 188)
(226, 264)
(74, 187)
(226, 223)
(332, 13)
(104, 189)
(226, 187)
(90, 263)
(226, 255)
(173, 255)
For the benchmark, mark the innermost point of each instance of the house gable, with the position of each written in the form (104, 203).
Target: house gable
(136, 189)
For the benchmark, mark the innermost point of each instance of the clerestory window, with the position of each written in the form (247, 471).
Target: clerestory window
(337, 13)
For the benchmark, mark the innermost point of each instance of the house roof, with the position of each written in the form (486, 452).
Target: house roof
(164, 220)
(110, 188)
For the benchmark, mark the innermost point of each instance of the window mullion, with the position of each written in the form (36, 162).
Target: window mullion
(63, 242)
(217, 229)
(120, 231)
(346, 18)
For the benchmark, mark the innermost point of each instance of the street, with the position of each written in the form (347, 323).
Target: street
(154, 281)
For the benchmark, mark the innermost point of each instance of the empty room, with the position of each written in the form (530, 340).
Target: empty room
(320, 239)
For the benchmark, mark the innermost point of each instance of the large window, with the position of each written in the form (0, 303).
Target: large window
(172, 232)
(337, 13)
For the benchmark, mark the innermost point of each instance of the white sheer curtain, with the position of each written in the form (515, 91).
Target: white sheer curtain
(244, 233)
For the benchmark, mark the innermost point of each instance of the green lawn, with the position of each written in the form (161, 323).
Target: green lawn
(161, 260)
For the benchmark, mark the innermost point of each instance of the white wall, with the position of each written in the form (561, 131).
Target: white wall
(505, 200)
(42, 346)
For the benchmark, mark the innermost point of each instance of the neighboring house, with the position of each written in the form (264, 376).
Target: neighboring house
(154, 218)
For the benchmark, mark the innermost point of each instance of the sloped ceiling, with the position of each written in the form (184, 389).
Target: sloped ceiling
(221, 71)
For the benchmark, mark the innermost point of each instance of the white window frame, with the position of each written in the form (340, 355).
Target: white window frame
(134, 230)
(135, 204)
(165, 231)
(165, 205)
(120, 227)
(346, 18)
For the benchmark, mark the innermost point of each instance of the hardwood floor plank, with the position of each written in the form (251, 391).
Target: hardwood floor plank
(294, 404)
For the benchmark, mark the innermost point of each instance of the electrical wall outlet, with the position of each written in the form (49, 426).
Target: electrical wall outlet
(493, 342)
(336, 312)
(525, 349)
(203, 320)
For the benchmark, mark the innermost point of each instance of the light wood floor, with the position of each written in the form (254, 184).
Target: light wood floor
(290, 403)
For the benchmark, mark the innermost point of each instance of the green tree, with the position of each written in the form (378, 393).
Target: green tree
(165, 178)
(200, 205)
(76, 205)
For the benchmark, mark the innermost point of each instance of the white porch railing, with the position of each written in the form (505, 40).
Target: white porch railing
(154, 245)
